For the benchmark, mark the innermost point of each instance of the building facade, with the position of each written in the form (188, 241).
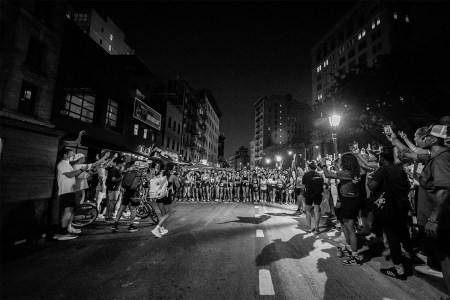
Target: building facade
(368, 30)
(252, 154)
(32, 35)
(212, 122)
(279, 120)
(101, 30)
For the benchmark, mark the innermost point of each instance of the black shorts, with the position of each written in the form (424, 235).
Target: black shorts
(126, 198)
(164, 200)
(298, 191)
(67, 200)
(316, 200)
(349, 207)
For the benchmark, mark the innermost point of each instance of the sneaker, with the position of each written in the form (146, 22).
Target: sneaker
(425, 269)
(114, 229)
(163, 231)
(73, 230)
(393, 273)
(352, 261)
(66, 237)
(307, 229)
(156, 233)
(132, 228)
(370, 237)
(101, 217)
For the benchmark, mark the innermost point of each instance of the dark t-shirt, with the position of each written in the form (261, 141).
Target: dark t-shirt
(435, 175)
(395, 178)
(113, 185)
(313, 182)
(347, 188)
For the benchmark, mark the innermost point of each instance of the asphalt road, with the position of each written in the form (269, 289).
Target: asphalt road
(213, 251)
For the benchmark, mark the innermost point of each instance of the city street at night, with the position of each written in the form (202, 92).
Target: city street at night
(212, 251)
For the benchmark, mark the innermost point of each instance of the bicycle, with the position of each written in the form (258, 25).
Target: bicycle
(145, 209)
(84, 214)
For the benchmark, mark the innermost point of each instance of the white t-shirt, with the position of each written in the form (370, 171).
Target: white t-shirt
(81, 182)
(65, 184)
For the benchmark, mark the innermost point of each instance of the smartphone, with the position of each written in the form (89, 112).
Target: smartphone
(387, 129)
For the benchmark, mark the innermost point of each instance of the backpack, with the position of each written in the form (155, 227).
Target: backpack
(131, 179)
(158, 187)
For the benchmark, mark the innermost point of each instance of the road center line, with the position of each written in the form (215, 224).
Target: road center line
(265, 283)
(259, 233)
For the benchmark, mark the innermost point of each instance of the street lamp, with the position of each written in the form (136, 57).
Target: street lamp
(334, 122)
(290, 152)
(278, 158)
(267, 160)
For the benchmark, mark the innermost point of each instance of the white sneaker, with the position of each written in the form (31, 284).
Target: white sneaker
(425, 269)
(163, 231)
(66, 237)
(156, 233)
(73, 230)
(101, 217)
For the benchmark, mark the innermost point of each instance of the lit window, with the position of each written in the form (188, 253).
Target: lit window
(363, 33)
(395, 15)
(325, 63)
(136, 129)
(281, 123)
(359, 36)
(319, 68)
(280, 130)
(145, 133)
(373, 24)
(109, 47)
(111, 115)
(320, 96)
(406, 19)
(379, 20)
(80, 104)
(111, 37)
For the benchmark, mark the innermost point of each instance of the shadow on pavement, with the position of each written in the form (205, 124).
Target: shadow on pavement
(249, 220)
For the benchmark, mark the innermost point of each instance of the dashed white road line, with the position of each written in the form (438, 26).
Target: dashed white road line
(265, 283)
(256, 206)
(259, 233)
(257, 216)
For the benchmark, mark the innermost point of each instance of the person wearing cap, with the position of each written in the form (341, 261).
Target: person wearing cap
(433, 208)
(66, 183)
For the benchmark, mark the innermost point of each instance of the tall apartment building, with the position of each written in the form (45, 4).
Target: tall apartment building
(369, 29)
(30, 45)
(279, 120)
(252, 154)
(212, 122)
(101, 29)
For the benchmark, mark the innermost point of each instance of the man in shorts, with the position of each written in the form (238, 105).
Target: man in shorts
(113, 187)
(313, 183)
(66, 183)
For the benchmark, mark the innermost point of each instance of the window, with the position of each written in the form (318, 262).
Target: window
(379, 21)
(179, 128)
(342, 50)
(169, 122)
(173, 144)
(319, 86)
(351, 42)
(361, 46)
(35, 54)
(351, 53)
(406, 19)
(80, 104)
(111, 115)
(109, 47)
(174, 125)
(136, 129)
(103, 29)
(101, 42)
(319, 68)
(319, 77)
(362, 34)
(362, 60)
(319, 97)
(168, 142)
(79, 17)
(325, 63)
(395, 15)
(342, 60)
(110, 37)
(145, 133)
(27, 100)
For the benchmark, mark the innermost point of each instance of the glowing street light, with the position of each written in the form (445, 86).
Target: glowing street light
(268, 160)
(278, 158)
(290, 152)
(334, 120)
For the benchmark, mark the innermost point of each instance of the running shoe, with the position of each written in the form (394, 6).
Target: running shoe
(156, 233)
(132, 228)
(163, 231)
(66, 237)
(352, 261)
(73, 230)
(425, 269)
(392, 272)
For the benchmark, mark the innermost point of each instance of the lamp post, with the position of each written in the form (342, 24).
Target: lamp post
(334, 122)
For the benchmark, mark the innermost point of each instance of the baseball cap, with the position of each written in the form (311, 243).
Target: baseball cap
(78, 156)
(440, 131)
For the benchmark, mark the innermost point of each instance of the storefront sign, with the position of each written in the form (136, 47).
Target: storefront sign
(146, 114)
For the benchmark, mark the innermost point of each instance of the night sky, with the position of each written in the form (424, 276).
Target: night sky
(239, 50)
